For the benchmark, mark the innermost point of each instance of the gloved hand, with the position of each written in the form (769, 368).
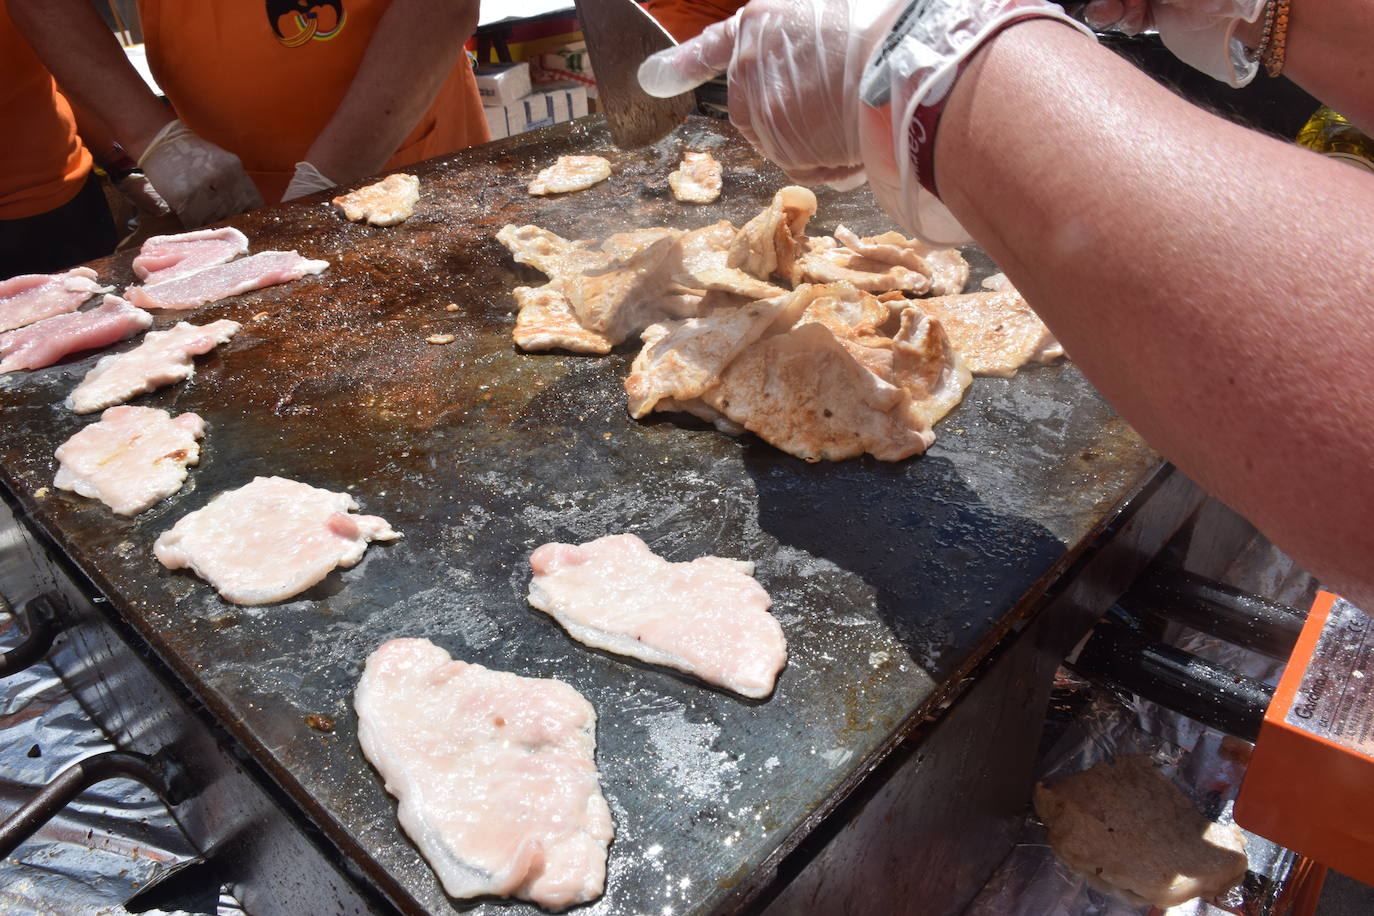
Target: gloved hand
(307, 180)
(1201, 33)
(200, 181)
(832, 90)
(141, 193)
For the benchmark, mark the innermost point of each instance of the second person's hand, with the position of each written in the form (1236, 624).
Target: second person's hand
(200, 181)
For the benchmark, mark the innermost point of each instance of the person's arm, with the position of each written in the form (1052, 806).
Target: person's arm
(1329, 43)
(91, 68)
(1213, 283)
(414, 49)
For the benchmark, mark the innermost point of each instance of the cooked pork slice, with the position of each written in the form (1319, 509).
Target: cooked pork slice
(162, 358)
(546, 322)
(805, 393)
(32, 297)
(45, 342)
(211, 284)
(494, 774)
(550, 253)
(132, 459)
(931, 373)
(681, 359)
(948, 271)
(997, 332)
(702, 262)
(621, 300)
(998, 282)
(702, 411)
(826, 261)
(386, 203)
(887, 248)
(770, 243)
(697, 179)
(1125, 824)
(270, 539)
(708, 617)
(624, 245)
(842, 308)
(570, 173)
(165, 257)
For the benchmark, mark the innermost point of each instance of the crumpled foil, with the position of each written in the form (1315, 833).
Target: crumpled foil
(1206, 764)
(115, 840)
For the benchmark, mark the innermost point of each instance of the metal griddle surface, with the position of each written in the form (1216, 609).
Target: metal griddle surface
(890, 580)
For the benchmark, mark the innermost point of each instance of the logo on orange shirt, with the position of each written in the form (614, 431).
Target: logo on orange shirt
(296, 22)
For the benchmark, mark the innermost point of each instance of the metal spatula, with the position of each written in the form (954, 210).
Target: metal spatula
(620, 35)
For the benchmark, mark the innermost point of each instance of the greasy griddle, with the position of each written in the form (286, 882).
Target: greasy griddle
(890, 580)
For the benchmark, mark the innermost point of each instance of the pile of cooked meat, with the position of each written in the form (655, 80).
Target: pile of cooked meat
(826, 347)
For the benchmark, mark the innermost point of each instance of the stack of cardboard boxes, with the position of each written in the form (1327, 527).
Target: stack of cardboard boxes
(513, 106)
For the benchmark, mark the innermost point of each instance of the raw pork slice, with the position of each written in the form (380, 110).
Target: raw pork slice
(386, 203)
(165, 257)
(570, 173)
(708, 617)
(211, 284)
(47, 341)
(270, 539)
(162, 358)
(997, 332)
(33, 297)
(494, 774)
(1124, 824)
(697, 179)
(132, 459)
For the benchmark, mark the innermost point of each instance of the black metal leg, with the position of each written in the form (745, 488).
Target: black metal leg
(164, 777)
(38, 618)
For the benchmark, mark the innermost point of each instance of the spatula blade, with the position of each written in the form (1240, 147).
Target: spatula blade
(620, 36)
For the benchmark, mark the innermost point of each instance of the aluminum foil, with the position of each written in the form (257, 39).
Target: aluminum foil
(1206, 764)
(115, 840)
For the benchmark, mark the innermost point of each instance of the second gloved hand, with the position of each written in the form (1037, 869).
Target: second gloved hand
(1201, 33)
(200, 181)
(307, 180)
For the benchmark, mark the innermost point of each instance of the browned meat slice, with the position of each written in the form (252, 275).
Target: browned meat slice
(620, 300)
(997, 332)
(702, 411)
(386, 203)
(550, 253)
(624, 245)
(570, 173)
(930, 372)
(948, 271)
(681, 359)
(826, 261)
(770, 243)
(546, 322)
(697, 180)
(803, 392)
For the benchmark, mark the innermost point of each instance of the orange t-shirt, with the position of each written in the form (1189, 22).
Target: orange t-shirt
(684, 19)
(44, 164)
(262, 79)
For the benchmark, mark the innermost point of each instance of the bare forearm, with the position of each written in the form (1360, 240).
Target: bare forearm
(1329, 42)
(1213, 283)
(412, 52)
(91, 68)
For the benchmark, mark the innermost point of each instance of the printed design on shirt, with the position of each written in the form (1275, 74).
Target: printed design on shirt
(296, 22)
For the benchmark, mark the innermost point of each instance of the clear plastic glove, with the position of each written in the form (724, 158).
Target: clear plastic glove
(200, 181)
(1201, 33)
(140, 192)
(307, 180)
(833, 90)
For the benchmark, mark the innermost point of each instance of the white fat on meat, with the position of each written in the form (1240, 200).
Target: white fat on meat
(546, 322)
(804, 392)
(708, 617)
(769, 244)
(165, 257)
(45, 342)
(550, 253)
(386, 203)
(32, 297)
(211, 284)
(697, 180)
(132, 459)
(682, 359)
(997, 332)
(570, 173)
(162, 358)
(270, 539)
(494, 774)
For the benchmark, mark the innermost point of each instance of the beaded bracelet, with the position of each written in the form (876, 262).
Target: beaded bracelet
(1274, 40)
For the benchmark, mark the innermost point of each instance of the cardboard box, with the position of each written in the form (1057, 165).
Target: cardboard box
(497, 122)
(538, 111)
(500, 84)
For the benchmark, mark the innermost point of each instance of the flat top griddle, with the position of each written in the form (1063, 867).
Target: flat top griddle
(890, 580)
